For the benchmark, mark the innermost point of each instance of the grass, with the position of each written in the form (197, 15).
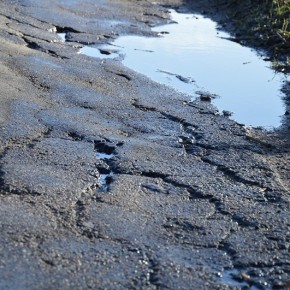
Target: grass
(265, 23)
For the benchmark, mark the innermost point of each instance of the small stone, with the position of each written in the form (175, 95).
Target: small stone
(186, 80)
(105, 51)
(205, 98)
(246, 277)
(186, 139)
(227, 113)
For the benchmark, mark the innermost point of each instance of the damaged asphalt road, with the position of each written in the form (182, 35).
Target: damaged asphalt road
(188, 199)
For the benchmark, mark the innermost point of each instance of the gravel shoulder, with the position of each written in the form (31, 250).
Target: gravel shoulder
(187, 199)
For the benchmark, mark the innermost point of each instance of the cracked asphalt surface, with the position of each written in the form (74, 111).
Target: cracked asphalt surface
(189, 198)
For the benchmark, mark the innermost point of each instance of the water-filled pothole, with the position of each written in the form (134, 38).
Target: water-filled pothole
(193, 56)
(104, 156)
(62, 36)
(104, 181)
(104, 152)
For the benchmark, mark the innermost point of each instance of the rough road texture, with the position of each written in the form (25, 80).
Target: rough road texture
(192, 200)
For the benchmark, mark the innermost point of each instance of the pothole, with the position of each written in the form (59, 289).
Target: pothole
(104, 156)
(104, 181)
(193, 56)
(62, 36)
(104, 152)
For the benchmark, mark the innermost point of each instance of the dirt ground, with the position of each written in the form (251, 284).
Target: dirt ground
(184, 198)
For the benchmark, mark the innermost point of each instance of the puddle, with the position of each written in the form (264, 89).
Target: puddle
(104, 156)
(62, 36)
(104, 180)
(192, 56)
(100, 53)
(104, 152)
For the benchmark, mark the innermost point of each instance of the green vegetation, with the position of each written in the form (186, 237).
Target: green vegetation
(265, 23)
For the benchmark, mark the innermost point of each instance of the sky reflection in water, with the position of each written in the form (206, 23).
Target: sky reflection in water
(194, 48)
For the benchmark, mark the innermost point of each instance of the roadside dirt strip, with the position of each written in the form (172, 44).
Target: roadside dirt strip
(111, 181)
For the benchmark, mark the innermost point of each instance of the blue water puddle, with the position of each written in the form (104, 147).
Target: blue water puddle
(104, 156)
(62, 36)
(192, 56)
(103, 182)
(104, 178)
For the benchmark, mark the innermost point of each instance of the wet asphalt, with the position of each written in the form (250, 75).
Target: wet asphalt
(187, 199)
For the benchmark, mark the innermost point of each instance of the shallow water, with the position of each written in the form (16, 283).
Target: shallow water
(62, 36)
(104, 178)
(104, 156)
(192, 55)
(103, 182)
